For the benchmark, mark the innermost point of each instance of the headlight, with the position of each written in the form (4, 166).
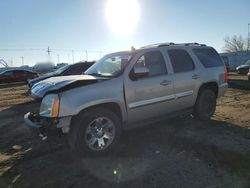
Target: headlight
(50, 106)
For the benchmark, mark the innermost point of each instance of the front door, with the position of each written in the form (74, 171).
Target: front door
(149, 96)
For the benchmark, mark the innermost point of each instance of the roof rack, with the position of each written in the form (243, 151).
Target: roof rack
(173, 44)
(158, 45)
(191, 44)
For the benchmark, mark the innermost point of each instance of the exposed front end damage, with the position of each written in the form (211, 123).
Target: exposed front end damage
(62, 83)
(44, 126)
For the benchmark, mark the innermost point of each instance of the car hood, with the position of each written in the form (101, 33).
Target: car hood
(62, 83)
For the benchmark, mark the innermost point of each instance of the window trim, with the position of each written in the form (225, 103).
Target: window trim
(156, 75)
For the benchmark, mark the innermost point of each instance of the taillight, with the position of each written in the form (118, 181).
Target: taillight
(248, 71)
(225, 74)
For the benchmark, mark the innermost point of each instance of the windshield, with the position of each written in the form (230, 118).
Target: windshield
(109, 66)
(248, 62)
(2, 73)
(6, 73)
(61, 69)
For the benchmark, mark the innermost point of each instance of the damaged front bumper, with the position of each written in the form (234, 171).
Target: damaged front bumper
(44, 126)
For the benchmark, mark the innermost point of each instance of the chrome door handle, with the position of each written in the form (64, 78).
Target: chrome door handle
(196, 76)
(165, 82)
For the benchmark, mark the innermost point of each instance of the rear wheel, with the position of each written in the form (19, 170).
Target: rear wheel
(95, 133)
(205, 104)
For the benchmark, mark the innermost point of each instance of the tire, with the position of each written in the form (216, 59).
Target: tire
(88, 140)
(242, 71)
(205, 104)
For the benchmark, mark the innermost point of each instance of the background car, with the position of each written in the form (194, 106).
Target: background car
(10, 76)
(248, 75)
(73, 69)
(243, 69)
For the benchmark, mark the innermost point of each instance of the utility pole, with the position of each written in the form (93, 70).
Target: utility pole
(248, 38)
(86, 52)
(68, 59)
(22, 60)
(73, 59)
(58, 58)
(48, 51)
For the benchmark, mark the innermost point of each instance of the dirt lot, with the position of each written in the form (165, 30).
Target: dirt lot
(181, 152)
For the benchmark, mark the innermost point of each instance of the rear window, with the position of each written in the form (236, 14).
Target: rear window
(208, 57)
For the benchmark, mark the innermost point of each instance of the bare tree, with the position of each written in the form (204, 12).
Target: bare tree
(235, 44)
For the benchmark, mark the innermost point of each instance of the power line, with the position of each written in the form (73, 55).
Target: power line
(49, 50)
(21, 49)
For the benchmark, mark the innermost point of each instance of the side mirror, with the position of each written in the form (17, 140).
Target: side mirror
(139, 72)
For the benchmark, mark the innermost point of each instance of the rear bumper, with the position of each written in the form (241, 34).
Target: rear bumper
(222, 89)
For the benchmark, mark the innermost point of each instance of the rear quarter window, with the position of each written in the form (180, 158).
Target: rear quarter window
(208, 57)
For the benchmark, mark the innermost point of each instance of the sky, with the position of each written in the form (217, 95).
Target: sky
(28, 27)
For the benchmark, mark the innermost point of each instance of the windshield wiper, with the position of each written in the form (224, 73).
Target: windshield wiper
(95, 74)
(100, 75)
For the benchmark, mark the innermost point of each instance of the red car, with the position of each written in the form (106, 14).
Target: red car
(10, 76)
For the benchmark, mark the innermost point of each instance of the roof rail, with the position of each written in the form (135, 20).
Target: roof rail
(166, 44)
(192, 44)
(173, 44)
(158, 45)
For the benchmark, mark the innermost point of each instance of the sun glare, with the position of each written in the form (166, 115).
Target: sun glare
(122, 15)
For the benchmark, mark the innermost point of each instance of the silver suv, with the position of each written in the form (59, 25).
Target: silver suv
(127, 89)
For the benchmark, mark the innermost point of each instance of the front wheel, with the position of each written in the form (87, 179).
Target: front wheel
(95, 132)
(205, 104)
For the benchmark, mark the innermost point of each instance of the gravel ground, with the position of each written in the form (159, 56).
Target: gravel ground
(180, 152)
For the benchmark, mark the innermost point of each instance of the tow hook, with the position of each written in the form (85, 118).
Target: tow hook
(44, 137)
(42, 134)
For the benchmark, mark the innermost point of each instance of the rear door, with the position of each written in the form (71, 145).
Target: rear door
(153, 95)
(186, 77)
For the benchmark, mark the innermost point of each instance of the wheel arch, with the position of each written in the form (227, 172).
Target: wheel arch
(112, 106)
(209, 85)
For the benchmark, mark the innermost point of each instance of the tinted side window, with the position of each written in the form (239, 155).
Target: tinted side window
(72, 70)
(19, 72)
(8, 73)
(154, 62)
(85, 66)
(208, 57)
(77, 69)
(181, 60)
